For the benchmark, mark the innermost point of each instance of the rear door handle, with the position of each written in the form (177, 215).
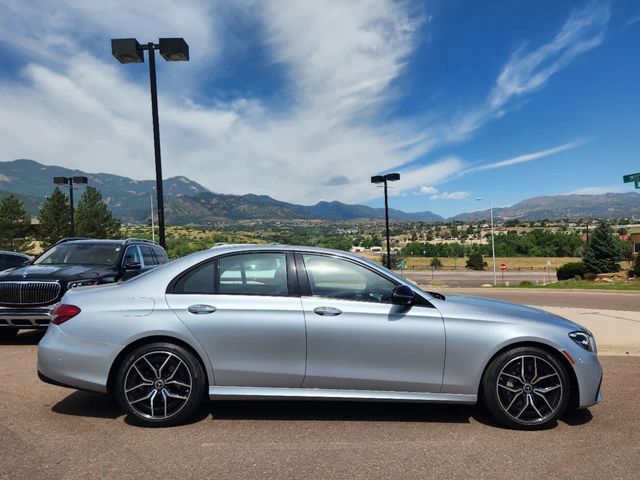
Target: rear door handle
(201, 309)
(327, 311)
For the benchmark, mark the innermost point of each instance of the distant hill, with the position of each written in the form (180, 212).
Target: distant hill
(186, 201)
(606, 205)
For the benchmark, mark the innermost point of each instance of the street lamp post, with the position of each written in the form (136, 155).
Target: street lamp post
(129, 50)
(70, 181)
(377, 179)
(493, 244)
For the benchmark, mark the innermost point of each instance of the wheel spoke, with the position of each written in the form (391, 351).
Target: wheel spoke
(170, 377)
(175, 395)
(142, 399)
(533, 405)
(163, 364)
(153, 369)
(544, 377)
(535, 370)
(153, 396)
(545, 400)
(512, 376)
(512, 390)
(524, 379)
(176, 382)
(164, 397)
(526, 404)
(547, 389)
(143, 384)
(513, 400)
(144, 379)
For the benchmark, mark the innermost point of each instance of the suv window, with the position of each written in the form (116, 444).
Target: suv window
(253, 274)
(131, 255)
(161, 256)
(147, 256)
(81, 254)
(335, 278)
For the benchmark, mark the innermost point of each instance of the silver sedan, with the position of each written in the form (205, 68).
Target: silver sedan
(265, 322)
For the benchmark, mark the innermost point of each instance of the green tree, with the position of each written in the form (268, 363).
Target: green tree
(14, 225)
(93, 218)
(603, 251)
(436, 263)
(55, 218)
(476, 261)
(635, 271)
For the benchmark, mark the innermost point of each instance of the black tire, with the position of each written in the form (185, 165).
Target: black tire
(182, 369)
(8, 333)
(534, 403)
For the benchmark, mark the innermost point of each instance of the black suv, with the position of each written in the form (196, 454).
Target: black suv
(12, 260)
(29, 293)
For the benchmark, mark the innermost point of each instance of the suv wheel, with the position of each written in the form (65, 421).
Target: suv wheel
(160, 384)
(526, 388)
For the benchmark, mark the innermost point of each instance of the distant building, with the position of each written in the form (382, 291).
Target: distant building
(635, 240)
(357, 249)
(376, 249)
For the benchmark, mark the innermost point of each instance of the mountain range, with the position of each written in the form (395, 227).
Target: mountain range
(188, 202)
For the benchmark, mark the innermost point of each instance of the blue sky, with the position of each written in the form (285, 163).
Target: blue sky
(304, 101)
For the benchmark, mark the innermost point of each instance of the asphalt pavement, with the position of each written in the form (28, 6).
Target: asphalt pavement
(57, 433)
(471, 278)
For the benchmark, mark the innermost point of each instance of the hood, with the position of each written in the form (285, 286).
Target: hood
(495, 310)
(55, 272)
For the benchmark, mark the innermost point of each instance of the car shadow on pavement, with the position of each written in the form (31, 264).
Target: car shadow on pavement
(88, 404)
(25, 337)
(341, 411)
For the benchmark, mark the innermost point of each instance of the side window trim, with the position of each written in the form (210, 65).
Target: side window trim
(124, 255)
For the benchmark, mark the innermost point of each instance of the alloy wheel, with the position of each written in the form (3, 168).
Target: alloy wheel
(529, 389)
(158, 385)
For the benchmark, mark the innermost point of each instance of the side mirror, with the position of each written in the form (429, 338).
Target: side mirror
(132, 266)
(402, 295)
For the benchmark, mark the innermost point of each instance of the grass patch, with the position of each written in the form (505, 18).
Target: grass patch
(630, 285)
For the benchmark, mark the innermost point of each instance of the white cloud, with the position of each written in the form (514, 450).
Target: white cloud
(75, 105)
(426, 191)
(525, 158)
(459, 195)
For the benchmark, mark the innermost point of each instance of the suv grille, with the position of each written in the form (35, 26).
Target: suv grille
(28, 293)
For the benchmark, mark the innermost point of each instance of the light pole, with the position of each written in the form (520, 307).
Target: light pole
(153, 227)
(493, 244)
(128, 50)
(389, 177)
(70, 181)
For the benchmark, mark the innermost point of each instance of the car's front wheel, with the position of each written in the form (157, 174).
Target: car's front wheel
(160, 384)
(526, 388)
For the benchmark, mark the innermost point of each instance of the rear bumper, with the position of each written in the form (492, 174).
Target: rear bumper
(75, 362)
(25, 317)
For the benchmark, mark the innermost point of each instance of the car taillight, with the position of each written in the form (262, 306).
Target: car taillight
(63, 312)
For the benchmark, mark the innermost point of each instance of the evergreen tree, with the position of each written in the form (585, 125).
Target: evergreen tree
(603, 251)
(436, 263)
(14, 225)
(93, 218)
(476, 261)
(55, 218)
(635, 271)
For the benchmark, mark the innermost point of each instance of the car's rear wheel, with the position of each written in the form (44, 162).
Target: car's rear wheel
(8, 333)
(526, 388)
(160, 384)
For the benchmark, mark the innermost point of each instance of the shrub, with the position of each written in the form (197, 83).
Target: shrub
(571, 270)
(436, 263)
(476, 261)
(635, 271)
(526, 283)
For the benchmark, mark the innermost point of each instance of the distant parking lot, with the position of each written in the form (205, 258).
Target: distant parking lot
(51, 432)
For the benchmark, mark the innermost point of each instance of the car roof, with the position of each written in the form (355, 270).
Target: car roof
(6, 252)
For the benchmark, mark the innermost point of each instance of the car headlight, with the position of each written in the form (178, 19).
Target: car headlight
(585, 339)
(81, 283)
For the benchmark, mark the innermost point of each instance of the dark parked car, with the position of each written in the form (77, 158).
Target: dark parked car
(28, 293)
(12, 260)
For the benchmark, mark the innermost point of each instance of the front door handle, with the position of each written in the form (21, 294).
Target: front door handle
(327, 311)
(201, 309)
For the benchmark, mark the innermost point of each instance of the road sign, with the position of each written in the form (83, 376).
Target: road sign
(637, 184)
(503, 267)
(634, 177)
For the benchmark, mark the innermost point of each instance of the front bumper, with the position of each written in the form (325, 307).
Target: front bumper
(75, 362)
(25, 317)
(589, 373)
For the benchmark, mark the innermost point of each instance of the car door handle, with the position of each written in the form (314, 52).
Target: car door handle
(201, 309)
(327, 311)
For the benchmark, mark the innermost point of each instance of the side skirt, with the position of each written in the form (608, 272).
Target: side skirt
(273, 393)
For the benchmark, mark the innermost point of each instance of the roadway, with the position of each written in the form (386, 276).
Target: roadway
(471, 278)
(50, 432)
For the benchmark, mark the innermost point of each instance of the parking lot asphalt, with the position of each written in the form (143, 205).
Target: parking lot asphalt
(53, 432)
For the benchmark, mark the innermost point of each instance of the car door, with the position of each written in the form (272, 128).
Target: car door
(245, 310)
(358, 339)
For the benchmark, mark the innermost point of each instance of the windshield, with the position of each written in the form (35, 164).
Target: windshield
(81, 254)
